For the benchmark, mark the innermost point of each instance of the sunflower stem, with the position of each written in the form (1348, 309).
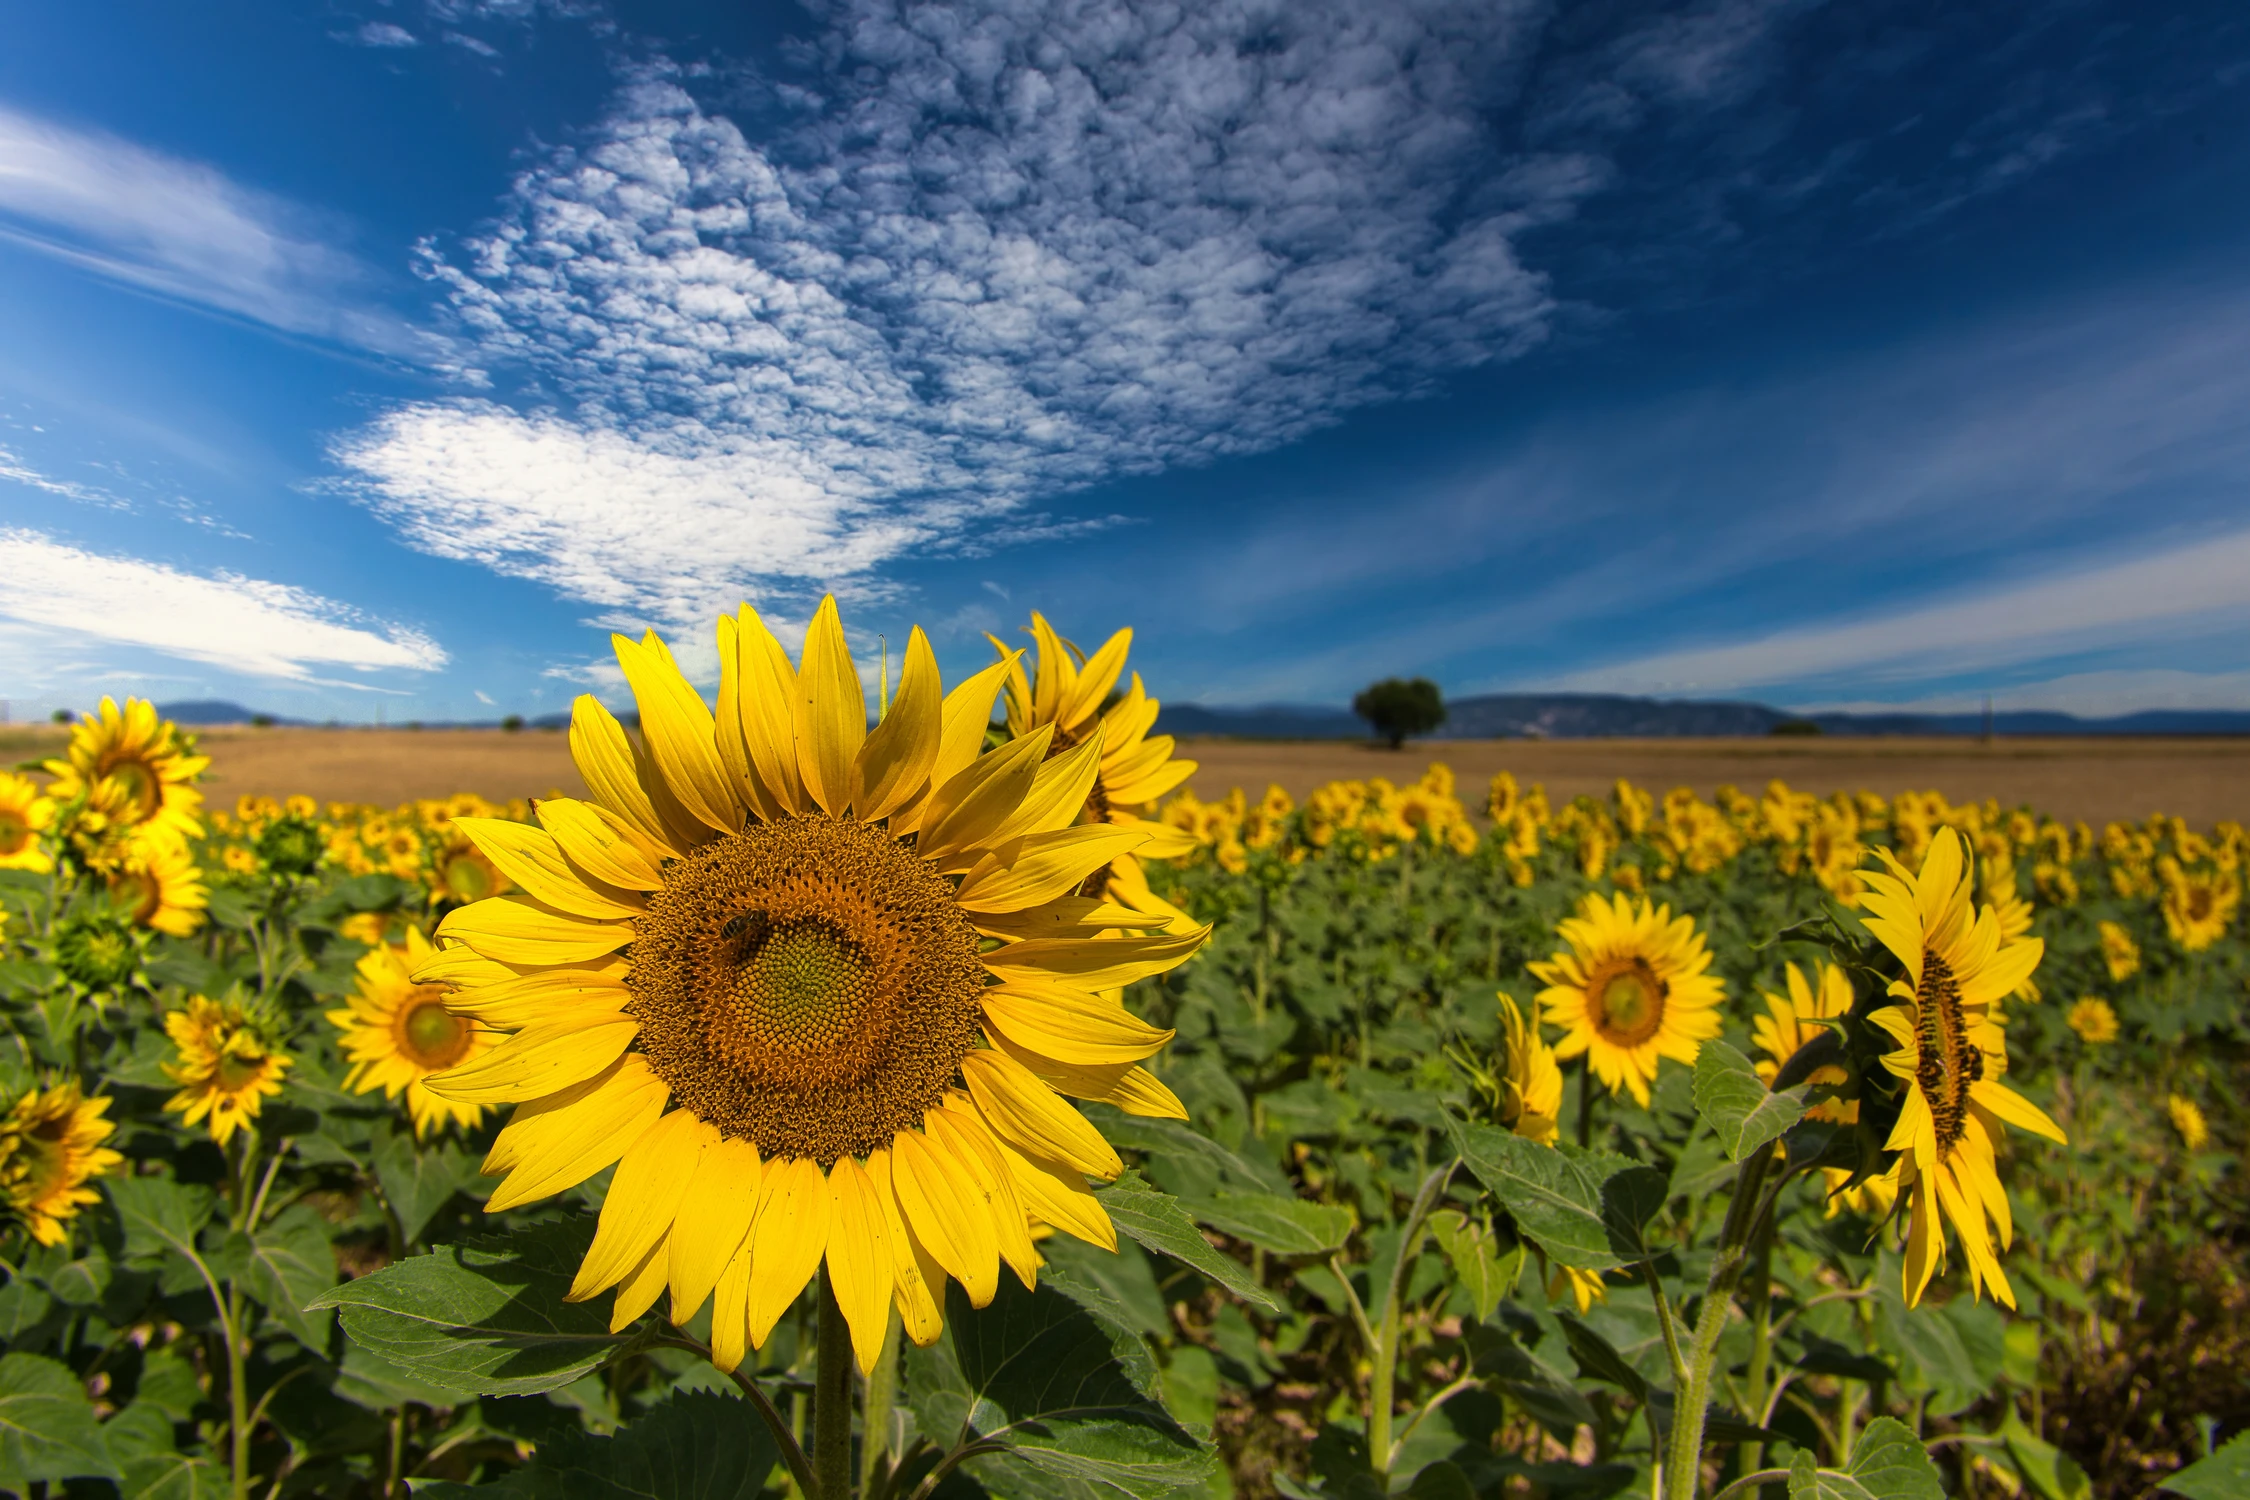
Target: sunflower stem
(877, 1402)
(832, 1399)
(1683, 1469)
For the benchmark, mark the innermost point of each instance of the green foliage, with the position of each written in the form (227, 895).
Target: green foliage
(1400, 708)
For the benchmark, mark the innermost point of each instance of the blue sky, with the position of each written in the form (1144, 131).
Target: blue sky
(375, 355)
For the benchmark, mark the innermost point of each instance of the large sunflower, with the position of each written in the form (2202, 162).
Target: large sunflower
(1065, 693)
(229, 1062)
(1634, 987)
(132, 770)
(816, 990)
(50, 1146)
(25, 813)
(397, 1033)
(1952, 1055)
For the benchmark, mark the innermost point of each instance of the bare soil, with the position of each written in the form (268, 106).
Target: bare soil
(2201, 780)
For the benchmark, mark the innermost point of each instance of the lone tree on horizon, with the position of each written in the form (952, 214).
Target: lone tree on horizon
(1398, 708)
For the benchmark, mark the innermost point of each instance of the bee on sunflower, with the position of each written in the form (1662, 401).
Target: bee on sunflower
(1073, 696)
(819, 991)
(1633, 987)
(396, 1033)
(51, 1146)
(230, 1062)
(1951, 1055)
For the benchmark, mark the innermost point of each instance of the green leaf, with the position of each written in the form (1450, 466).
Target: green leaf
(1276, 1225)
(1584, 1208)
(419, 1180)
(1483, 1273)
(1171, 1139)
(47, 1426)
(483, 1318)
(160, 1217)
(291, 1265)
(1159, 1223)
(1808, 1481)
(1598, 1358)
(1889, 1462)
(174, 1476)
(1070, 1392)
(1741, 1110)
(2224, 1475)
(697, 1445)
(2051, 1473)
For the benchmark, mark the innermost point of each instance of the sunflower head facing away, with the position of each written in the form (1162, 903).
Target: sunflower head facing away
(1791, 1022)
(25, 814)
(132, 770)
(50, 1147)
(1531, 1105)
(155, 882)
(818, 990)
(1633, 986)
(1951, 1056)
(229, 1063)
(397, 1033)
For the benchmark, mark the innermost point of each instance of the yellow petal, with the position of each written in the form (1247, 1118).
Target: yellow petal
(768, 713)
(1094, 963)
(958, 1124)
(734, 743)
(1058, 794)
(1094, 681)
(640, 1290)
(1044, 867)
(713, 1222)
(787, 1242)
(1060, 1196)
(1132, 1089)
(1056, 671)
(1027, 1114)
(859, 1258)
(605, 762)
(539, 999)
(456, 964)
(598, 845)
(964, 812)
(945, 1209)
(968, 712)
(533, 859)
(1069, 1024)
(830, 711)
(643, 1196)
(2005, 1103)
(518, 930)
(537, 1062)
(681, 738)
(917, 1280)
(585, 1134)
(894, 764)
(730, 1318)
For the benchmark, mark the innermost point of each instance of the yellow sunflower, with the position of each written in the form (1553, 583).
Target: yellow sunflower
(397, 1033)
(1952, 1055)
(1532, 1102)
(133, 771)
(156, 880)
(25, 813)
(2120, 954)
(1783, 1029)
(2094, 1021)
(1634, 987)
(50, 1146)
(1584, 1288)
(460, 871)
(1064, 693)
(1872, 1198)
(817, 990)
(228, 1064)
(2198, 908)
(2187, 1119)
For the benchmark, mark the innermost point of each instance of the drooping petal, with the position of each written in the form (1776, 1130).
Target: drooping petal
(538, 1061)
(1070, 1024)
(788, 1240)
(639, 1291)
(578, 1138)
(1027, 1114)
(644, 1194)
(917, 1279)
(965, 1132)
(946, 1212)
(1059, 1196)
(859, 1259)
(713, 1222)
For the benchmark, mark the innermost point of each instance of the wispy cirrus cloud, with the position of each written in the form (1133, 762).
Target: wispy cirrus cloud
(246, 625)
(185, 231)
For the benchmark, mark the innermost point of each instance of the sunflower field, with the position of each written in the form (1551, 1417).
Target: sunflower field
(950, 1106)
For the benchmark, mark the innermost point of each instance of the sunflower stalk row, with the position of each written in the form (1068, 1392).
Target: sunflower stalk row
(939, 1100)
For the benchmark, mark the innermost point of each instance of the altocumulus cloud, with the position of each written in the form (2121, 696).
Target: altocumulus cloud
(242, 624)
(993, 254)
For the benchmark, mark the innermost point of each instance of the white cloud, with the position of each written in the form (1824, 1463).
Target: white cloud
(13, 468)
(243, 624)
(2185, 591)
(383, 34)
(2092, 695)
(182, 230)
(1000, 254)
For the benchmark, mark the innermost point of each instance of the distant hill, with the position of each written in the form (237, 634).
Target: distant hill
(1571, 716)
(206, 713)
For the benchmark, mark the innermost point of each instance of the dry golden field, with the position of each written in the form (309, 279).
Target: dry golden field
(2202, 780)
